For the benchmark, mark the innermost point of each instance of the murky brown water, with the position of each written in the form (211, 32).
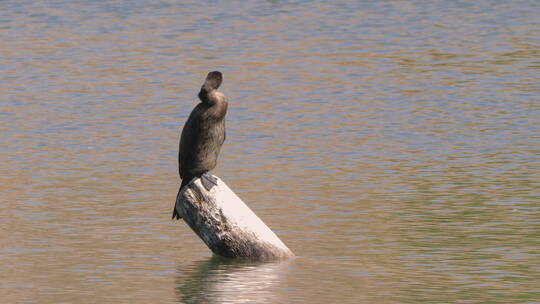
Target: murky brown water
(394, 146)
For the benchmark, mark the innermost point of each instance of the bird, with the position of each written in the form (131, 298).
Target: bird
(202, 136)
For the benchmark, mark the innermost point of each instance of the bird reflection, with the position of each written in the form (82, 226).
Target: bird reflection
(222, 280)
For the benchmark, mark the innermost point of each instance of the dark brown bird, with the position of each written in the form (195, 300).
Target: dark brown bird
(203, 135)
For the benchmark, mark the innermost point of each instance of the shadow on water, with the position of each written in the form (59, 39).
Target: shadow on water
(222, 280)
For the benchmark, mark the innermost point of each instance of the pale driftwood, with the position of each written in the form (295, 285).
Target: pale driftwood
(226, 224)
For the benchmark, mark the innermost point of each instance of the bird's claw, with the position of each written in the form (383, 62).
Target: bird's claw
(208, 181)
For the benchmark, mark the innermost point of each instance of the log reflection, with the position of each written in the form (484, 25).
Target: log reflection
(221, 280)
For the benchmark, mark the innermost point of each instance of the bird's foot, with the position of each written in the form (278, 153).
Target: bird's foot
(208, 181)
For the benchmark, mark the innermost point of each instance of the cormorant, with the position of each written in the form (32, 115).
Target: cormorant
(203, 135)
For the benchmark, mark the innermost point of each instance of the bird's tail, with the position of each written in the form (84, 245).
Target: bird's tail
(175, 214)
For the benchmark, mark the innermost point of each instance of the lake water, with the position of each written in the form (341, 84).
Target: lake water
(394, 146)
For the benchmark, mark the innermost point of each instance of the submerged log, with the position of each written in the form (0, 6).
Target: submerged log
(226, 224)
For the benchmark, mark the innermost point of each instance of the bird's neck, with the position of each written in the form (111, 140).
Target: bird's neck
(212, 98)
(217, 103)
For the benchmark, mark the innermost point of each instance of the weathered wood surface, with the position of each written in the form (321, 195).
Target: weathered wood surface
(226, 224)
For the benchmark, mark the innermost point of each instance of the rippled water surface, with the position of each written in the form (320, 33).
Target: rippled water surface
(394, 146)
